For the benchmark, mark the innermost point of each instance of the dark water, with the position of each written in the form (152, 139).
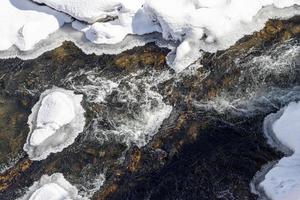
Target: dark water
(220, 146)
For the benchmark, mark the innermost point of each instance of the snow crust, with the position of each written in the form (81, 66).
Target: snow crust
(56, 120)
(196, 25)
(129, 20)
(209, 25)
(54, 187)
(91, 10)
(283, 130)
(24, 23)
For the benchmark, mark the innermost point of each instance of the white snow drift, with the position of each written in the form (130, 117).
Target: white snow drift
(92, 10)
(208, 25)
(56, 120)
(128, 20)
(24, 23)
(283, 130)
(54, 187)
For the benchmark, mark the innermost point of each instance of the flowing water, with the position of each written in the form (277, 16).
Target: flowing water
(138, 107)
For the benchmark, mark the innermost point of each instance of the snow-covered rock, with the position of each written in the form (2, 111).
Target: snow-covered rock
(56, 120)
(196, 25)
(283, 130)
(24, 23)
(210, 25)
(54, 187)
(92, 10)
(128, 21)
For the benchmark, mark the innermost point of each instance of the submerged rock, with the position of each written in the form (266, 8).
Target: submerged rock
(56, 120)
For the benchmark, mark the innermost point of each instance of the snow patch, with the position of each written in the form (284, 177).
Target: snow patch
(56, 120)
(24, 23)
(196, 25)
(211, 25)
(283, 131)
(92, 10)
(67, 33)
(54, 187)
(128, 20)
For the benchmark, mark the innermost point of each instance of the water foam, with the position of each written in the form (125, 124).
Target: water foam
(131, 109)
(259, 74)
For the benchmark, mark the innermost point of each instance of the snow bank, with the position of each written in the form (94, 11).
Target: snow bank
(194, 24)
(128, 20)
(56, 120)
(24, 23)
(210, 25)
(283, 130)
(54, 187)
(92, 10)
(67, 33)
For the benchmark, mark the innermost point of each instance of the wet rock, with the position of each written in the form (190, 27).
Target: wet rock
(131, 59)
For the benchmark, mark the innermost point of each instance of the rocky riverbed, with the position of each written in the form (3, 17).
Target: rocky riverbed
(151, 133)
